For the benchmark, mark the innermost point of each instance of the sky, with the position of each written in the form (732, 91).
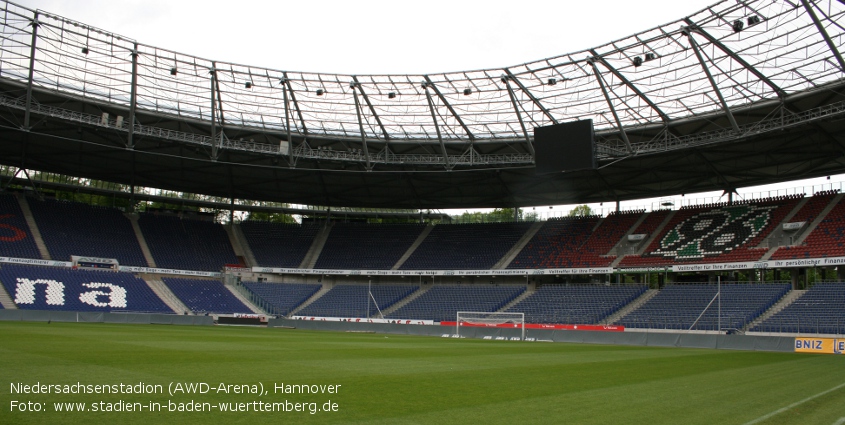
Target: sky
(373, 36)
(389, 37)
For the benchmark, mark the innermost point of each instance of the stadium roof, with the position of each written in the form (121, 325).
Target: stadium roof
(738, 94)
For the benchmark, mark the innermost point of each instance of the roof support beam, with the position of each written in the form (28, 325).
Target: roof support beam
(630, 85)
(295, 104)
(610, 105)
(31, 71)
(372, 109)
(449, 107)
(505, 80)
(133, 95)
(738, 59)
(213, 81)
(530, 96)
(824, 34)
(706, 70)
(445, 154)
(361, 125)
(284, 82)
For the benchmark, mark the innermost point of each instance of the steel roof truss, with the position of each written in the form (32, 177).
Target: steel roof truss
(713, 84)
(824, 34)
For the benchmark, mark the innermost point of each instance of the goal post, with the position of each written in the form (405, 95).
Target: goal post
(491, 320)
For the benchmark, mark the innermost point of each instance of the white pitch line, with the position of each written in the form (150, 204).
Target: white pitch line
(798, 403)
(841, 421)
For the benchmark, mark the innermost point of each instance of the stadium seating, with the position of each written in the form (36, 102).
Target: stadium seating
(736, 231)
(465, 246)
(186, 244)
(359, 246)
(442, 302)
(53, 288)
(205, 296)
(354, 300)
(73, 228)
(277, 244)
(15, 237)
(678, 306)
(553, 242)
(826, 240)
(284, 297)
(821, 310)
(576, 304)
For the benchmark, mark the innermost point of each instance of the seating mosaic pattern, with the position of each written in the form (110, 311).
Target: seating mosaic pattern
(15, 237)
(54, 288)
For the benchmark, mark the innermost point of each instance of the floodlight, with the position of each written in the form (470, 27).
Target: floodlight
(84, 50)
(391, 95)
(638, 61)
(467, 92)
(552, 81)
(173, 71)
(320, 92)
(753, 20)
(738, 25)
(248, 85)
(650, 56)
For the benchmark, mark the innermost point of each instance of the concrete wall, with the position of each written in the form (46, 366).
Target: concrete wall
(90, 317)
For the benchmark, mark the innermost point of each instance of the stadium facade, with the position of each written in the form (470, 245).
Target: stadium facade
(738, 94)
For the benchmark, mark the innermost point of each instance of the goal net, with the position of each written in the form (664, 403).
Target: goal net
(490, 320)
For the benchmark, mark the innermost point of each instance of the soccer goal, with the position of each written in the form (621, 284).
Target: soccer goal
(490, 320)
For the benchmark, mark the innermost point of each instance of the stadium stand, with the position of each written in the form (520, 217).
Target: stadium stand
(53, 288)
(367, 246)
(678, 306)
(354, 300)
(575, 304)
(15, 238)
(73, 228)
(821, 310)
(277, 244)
(594, 252)
(465, 246)
(283, 297)
(715, 233)
(205, 296)
(826, 240)
(186, 244)
(555, 243)
(442, 302)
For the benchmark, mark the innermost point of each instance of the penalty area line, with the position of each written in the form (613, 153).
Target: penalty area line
(796, 404)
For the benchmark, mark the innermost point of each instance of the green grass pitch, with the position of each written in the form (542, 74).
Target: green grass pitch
(390, 379)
